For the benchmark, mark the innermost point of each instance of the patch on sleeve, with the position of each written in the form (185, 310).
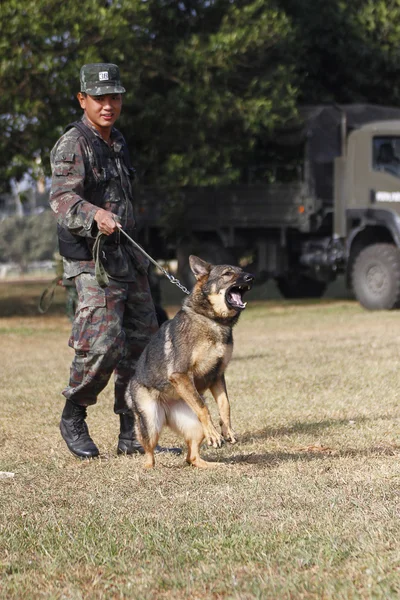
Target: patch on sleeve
(65, 157)
(64, 164)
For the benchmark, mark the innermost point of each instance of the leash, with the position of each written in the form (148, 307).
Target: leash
(101, 273)
(170, 277)
(46, 298)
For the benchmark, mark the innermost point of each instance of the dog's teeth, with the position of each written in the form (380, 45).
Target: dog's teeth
(245, 304)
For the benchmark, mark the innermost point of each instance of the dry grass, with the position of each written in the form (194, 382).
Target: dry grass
(306, 505)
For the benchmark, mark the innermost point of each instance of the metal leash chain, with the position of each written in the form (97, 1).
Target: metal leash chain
(171, 278)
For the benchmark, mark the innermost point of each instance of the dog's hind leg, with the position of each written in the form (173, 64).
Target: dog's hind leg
(149, 444)
(149, 459)
(193, 456)
(182, 419)
(149, 421)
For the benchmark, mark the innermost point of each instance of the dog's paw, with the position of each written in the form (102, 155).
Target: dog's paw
(213, 438)
(228, 434)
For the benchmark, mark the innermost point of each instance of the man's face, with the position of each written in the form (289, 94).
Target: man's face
(101, 111)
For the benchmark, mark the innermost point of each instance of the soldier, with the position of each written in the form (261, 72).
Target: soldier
(91, 193)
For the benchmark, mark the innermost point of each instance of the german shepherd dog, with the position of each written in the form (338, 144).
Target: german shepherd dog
(187, 357)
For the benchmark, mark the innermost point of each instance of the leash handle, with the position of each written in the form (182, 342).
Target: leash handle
(46, 299)
(171, 278)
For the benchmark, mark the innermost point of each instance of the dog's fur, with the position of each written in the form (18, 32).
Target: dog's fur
(186, 357)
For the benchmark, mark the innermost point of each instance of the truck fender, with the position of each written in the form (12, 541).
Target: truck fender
(373, 217)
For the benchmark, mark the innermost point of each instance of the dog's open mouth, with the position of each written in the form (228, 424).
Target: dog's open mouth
(234, 296)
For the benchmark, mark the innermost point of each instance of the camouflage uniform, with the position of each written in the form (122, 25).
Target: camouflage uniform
(112, 325)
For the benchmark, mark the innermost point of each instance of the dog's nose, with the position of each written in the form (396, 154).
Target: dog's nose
(248, 277)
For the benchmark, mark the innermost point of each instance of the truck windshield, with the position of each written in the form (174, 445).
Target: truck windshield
(386, 154)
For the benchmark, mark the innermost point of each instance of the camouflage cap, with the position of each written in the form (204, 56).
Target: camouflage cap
(101, 78)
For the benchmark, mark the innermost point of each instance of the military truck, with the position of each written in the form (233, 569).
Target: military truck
(333, 209)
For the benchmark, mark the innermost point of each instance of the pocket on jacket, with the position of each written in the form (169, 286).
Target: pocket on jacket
(90, 321)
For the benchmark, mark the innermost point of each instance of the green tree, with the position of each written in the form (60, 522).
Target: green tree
(347, 51)
(205, 80)
(41, 46)
(215, 83)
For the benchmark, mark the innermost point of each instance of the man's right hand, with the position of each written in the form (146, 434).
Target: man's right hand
(106, 222)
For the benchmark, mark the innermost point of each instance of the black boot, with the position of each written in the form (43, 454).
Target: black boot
(127, 442)
(75, 431)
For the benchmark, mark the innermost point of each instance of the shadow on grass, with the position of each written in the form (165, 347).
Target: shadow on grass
(311, 452)
(311, 427)
(275, 458)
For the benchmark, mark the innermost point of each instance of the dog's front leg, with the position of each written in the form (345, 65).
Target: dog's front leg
(186, 389)
(220, 394)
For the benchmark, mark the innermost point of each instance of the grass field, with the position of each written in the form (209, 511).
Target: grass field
(306, 505)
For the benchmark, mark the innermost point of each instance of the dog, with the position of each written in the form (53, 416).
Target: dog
(187, 357)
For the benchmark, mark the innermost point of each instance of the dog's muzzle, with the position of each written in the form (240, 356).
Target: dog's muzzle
(234, 295)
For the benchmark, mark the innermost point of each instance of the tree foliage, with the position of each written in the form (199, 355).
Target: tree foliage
(204, 79)
(208, 81)
(347, 51)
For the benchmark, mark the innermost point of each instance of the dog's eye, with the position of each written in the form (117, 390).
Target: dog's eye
(226, 273)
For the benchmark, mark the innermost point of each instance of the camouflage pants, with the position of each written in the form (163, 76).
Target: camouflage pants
(111, 328)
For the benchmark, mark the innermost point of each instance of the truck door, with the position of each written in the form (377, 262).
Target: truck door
(373, 224)
(373, 167)
(386, 169)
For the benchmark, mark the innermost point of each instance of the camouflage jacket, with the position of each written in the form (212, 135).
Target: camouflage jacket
(78, 190)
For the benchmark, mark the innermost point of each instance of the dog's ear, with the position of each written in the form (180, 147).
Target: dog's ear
(199, 267)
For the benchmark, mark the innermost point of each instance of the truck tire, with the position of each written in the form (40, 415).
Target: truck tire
(376, 277)
(296, 286)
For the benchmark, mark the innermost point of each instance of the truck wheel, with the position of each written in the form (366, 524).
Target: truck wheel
(376, 277)
(296, 286)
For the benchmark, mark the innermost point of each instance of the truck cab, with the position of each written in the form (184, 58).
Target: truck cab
(353, 158)
(367, 212)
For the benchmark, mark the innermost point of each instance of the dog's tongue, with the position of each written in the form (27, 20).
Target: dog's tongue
(236, 298)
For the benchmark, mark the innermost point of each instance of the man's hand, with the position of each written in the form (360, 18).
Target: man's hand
(106, 222)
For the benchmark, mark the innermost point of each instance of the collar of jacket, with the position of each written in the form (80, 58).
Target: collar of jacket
(116, 137)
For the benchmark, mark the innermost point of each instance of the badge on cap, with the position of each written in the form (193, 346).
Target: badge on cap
(98, 79)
